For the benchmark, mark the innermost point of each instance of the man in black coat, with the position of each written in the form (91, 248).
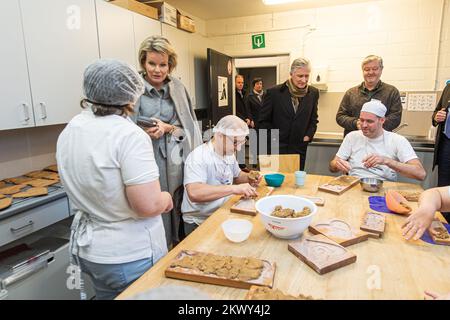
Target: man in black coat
(241, 109)
(291, 107)
(442, 142)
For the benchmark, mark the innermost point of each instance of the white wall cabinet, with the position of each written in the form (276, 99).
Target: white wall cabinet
(15, 96)
(180, 42)
(60, 40)
(49, 45)
(121, 32)
(115, 32)
(143, 28)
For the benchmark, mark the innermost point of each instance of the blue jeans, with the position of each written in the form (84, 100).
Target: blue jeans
(111, 279)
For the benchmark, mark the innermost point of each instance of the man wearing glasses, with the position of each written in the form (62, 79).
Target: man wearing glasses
(371, 88)
(212, 173)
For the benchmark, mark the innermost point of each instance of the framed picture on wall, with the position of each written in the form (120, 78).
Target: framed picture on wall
(223, 92)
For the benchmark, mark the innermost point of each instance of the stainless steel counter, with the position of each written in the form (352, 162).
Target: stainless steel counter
(55, 192)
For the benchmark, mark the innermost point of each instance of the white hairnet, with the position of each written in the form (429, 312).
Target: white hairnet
(112, 82)
(231, 126)
(376, 107)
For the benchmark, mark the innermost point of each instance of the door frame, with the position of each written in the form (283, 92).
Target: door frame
(260, 62)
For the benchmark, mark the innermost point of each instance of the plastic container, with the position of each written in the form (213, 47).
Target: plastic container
(300, 177)
(237, 230)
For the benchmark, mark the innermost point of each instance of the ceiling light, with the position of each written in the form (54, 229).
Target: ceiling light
(274, 2)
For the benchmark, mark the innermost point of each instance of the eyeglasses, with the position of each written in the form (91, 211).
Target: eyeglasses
(237, 142)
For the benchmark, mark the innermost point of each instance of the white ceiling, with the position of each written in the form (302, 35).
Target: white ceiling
(218, 9)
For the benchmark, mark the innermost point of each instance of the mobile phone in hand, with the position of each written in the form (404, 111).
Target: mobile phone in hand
(145, 122)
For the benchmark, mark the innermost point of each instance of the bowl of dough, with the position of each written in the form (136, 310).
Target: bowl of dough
(286, 216)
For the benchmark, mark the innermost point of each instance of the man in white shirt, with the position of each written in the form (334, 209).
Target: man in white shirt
(212, 174)
(373, 152)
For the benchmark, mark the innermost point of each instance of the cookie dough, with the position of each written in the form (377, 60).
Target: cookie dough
(236, 268)
(290, 213)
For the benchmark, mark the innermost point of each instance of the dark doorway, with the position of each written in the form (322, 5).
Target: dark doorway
(219, 75)
(268, 74)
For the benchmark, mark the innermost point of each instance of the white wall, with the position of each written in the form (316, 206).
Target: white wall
(406, 33)
(444, 61)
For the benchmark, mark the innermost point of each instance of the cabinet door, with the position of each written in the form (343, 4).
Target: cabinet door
(61, 40)
(144, 27)
(115, 32)
(180, 42)
(15, 97)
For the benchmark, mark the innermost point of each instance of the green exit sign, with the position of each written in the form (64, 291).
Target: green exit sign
(258, 41)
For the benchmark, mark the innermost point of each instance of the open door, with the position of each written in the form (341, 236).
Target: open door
(220, 85)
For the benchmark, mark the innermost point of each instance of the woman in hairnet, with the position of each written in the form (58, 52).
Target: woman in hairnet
(110, 175)
(176, 133)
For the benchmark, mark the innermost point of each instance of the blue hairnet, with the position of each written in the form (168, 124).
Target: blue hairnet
(112, 82)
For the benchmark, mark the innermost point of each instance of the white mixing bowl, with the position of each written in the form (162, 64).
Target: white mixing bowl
(285, 228)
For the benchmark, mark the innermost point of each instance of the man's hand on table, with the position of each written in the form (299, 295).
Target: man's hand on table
(417, 223)
(343, 165)
(255, 182)
(245, 189)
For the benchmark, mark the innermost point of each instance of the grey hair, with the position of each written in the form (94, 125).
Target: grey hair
(160, 45)
(371, 58)
(300, 63)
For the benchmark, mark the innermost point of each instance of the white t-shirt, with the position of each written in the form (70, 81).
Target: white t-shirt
(97, 157)
(356, 147)
(204, 165)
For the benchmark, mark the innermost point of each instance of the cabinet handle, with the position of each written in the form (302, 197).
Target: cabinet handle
(43, 110)
(26, 114)
(29, 224)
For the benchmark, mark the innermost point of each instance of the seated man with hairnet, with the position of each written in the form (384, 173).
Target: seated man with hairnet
(212, 173)
(373, 152)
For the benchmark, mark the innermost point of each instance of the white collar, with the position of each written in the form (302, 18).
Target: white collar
(227, 159)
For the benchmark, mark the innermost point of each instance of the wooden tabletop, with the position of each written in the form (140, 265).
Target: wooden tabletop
(386, 268)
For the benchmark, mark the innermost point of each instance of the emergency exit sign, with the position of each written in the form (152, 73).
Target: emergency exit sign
(258, 41)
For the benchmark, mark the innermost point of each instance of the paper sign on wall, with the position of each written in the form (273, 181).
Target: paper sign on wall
(422, 101)
(222, 85)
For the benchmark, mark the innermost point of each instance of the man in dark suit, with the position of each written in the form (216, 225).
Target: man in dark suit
(442, 142)
(291, 107)
(241, 109)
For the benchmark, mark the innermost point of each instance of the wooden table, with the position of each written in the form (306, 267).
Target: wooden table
(386, 268)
